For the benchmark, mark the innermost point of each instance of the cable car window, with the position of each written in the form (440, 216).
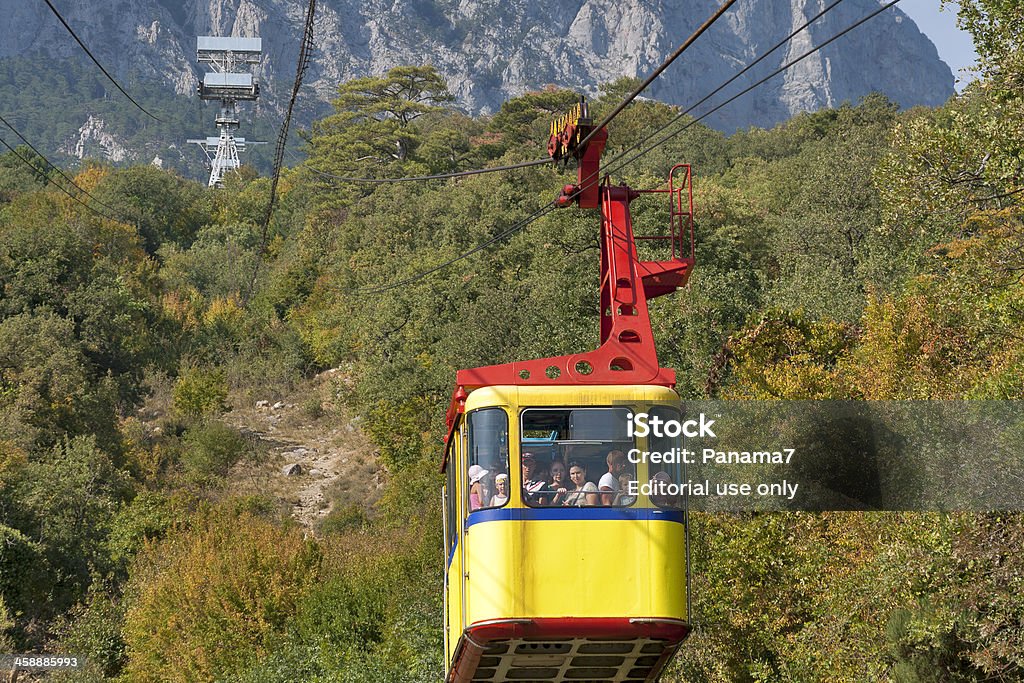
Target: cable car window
(487, 482)
(666, 477)
(576, 457)
(451, 493)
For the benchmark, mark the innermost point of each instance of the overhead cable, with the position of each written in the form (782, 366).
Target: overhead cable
(437, 176)
(49, 181)
(54, 166)
(97, 62)
(782, 68)
(305, 48)
(724, 85)
(657, 72)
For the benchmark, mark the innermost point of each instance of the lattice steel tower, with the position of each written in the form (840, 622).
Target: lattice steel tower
(228, 85)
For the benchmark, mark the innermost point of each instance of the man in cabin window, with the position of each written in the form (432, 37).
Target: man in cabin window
(531, 486)
(609, 484)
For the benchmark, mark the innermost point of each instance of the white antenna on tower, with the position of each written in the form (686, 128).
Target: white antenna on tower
(227, 85)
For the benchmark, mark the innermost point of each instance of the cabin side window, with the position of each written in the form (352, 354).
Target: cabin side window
(487, 480)
(451, 499)
(666, 477)
(576, 457)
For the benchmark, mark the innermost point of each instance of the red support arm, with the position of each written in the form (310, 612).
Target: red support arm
(626, 354)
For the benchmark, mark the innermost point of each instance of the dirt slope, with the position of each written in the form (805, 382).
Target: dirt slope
(314, 457)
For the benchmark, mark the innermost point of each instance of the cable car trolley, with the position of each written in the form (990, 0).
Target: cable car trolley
(557, 566)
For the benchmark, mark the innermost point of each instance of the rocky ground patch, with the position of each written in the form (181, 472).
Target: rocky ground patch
(314, 458)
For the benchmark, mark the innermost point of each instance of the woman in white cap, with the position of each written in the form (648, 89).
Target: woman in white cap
(476, 491)
(501, 497)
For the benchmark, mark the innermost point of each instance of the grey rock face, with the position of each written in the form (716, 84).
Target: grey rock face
(491, 50)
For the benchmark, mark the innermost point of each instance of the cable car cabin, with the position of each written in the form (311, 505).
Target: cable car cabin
(558, 567)
(546, 582)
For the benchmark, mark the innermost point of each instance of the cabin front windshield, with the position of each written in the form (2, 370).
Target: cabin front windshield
(487, 465)
(576, 457)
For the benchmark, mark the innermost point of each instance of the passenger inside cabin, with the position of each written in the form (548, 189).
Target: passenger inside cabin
(487, 483)
(501, 485)
(542, 473)
(559, 486)
(609, 484)
(532, 485)
(623, 497)
(476, 489)
(583, 492)
(660, 483)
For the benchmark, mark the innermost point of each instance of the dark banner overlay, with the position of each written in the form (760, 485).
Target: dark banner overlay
(846, 455)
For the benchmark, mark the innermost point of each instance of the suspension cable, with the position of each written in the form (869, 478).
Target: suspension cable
(49, 181)
(305, 47)
(55, 167)
(784, 67)
(657, 72)
(725, 84)
(97, 62)
(550, 206)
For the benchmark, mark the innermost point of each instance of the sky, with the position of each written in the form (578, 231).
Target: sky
(955, 46)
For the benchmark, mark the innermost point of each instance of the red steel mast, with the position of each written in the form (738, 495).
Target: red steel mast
(626, 354)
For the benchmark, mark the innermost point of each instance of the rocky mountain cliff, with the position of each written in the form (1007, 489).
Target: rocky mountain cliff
(491, 50)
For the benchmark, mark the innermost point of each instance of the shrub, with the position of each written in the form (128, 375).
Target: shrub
(207, 602)
(211, 448)
(148, 517)
(344, 518)
(93, 630)
(200, 392)
(69, 499)
(372, 619)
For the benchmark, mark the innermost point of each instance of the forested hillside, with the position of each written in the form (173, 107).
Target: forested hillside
(856, 253)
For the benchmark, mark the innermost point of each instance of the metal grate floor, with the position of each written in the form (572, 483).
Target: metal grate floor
(570, 660)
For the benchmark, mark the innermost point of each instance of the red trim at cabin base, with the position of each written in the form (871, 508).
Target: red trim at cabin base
(565, 649)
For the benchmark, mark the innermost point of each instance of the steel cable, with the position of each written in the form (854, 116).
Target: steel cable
(305, 47)
(546, 209)
(97, 62)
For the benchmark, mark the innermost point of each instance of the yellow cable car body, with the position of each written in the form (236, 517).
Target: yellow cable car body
(561, 592)
(559, 565)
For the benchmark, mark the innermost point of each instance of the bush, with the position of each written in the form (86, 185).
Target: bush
(94, 632)
(21, 564)
(344, 518)
(148, 517)
(373, 619)
(211, 448)
(69, 500)
(199, 392)
(6, 624)
(207, 602)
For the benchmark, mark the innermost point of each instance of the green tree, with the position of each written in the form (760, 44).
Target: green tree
(375, 128)
(47, 387)
(66, 501)
(163, 206)
(57, 261)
